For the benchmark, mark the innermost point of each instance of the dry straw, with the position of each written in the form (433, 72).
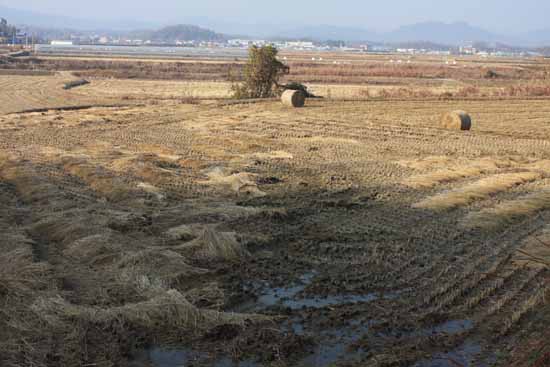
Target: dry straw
(167, 310)
(479, 190)
(508, 211)
(456, 120)
(214, 245)
(448, 171)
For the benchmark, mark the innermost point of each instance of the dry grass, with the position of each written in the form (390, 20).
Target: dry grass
(326, 72)
(146, 90)
(23, 341)
(342, 68)
(541, 165)
(123, 288)
(20, 275)
(427, 163)
(116, 82)
(422, 78)
(120, 68)
(41, 92)
(442, 176)
(537, 299)
(99, 179)
(146, 215)
(476, 191)
(240, 183)
(508, 211)
(443, 91)
(456, 170)
(535, 250)
(167, 310)
(213, 245)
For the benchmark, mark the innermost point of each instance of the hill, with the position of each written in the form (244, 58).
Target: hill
(185, 32)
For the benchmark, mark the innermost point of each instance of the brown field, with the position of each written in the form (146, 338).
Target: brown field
(160, 225)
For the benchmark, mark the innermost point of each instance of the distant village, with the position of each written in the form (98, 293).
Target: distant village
(300, 45)
(313, 46)
(10, 35)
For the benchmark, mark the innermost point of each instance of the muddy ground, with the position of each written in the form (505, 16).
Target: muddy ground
(255, 235)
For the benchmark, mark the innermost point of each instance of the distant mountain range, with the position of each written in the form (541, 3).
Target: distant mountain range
(328, 32)
(451, 34)
(435, 32)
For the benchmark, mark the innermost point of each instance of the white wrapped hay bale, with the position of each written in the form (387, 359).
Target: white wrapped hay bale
(293, 98)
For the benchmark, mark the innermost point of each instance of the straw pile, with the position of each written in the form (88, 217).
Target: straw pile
(456, 120)
(214, 245)
(479, 190)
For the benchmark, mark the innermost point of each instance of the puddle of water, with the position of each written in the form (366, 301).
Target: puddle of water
(288, 297)
(332, 347)
(279, 295)
(334, 343)
(318, 302)
(453, 326)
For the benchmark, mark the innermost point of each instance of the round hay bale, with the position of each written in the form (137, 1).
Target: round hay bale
(457, 120)
(293, 98)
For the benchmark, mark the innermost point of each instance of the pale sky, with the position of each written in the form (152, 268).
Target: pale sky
(504, 16)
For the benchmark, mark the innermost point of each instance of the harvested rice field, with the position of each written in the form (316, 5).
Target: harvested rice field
(26, 92)
(152, 229)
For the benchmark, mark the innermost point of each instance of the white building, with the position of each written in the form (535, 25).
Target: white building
(300, 45)
(467, 50)
(246, 43)
(61, 43)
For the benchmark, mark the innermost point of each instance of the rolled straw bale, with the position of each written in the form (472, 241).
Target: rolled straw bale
(75, 83)
(456, 120)
(293, 98)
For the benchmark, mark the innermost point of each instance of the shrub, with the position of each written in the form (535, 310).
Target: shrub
(491, 74)
(261, 74)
